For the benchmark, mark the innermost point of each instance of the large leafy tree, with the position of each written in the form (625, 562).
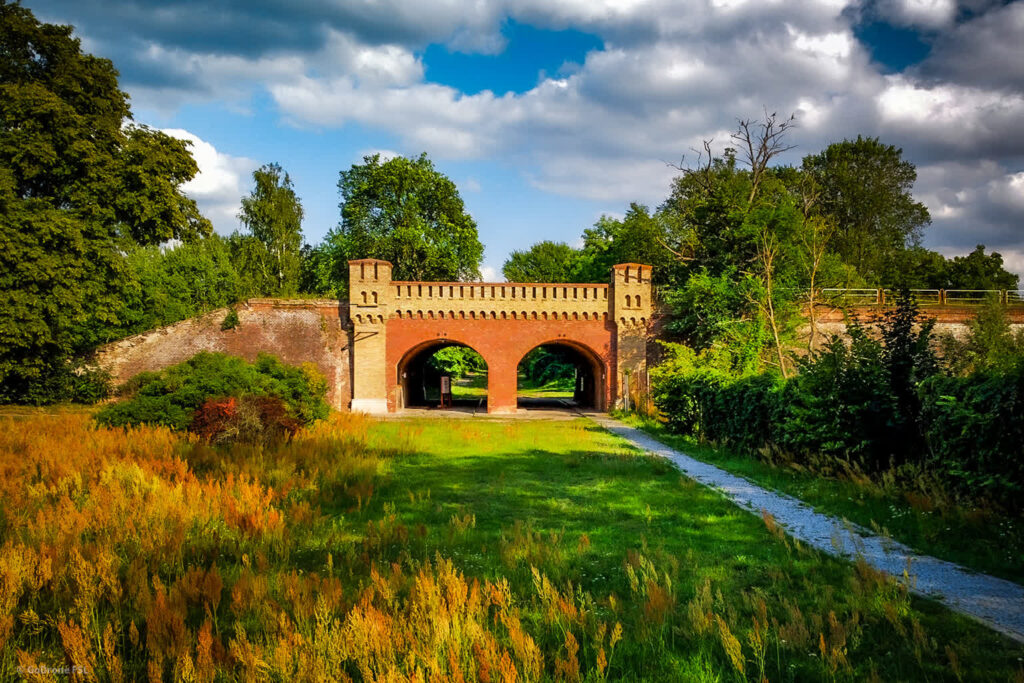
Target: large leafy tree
(270, 255)
(78, 187)
(543, 262)
(639, 237)
(978, 270)
(404, 211)
(865, 189)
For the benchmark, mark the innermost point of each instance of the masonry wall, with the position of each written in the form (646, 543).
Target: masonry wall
(296, 331)
(502, 344)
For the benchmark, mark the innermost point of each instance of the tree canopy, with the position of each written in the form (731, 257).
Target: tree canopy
(269, 256)
(79, 185)
(405, 211)
(543, 262)
(865, 187)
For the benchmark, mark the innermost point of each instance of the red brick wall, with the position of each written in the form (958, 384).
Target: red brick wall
(295, 331)
(502, 343)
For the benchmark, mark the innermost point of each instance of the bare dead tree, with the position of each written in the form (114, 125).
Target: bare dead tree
(760, 142)
(702, 171)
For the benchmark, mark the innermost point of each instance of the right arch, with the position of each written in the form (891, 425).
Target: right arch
(590, 390)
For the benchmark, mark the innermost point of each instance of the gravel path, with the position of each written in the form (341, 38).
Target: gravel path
(995, 602)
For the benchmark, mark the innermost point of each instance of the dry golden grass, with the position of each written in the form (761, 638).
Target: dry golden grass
(385, 552)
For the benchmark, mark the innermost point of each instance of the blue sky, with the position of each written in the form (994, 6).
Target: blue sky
(549, 113)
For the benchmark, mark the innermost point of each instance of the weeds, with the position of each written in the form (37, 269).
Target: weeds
(345, 555)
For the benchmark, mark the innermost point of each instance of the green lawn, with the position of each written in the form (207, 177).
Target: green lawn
(620, 537)
(473, 385)
(559, 388)
(979, 539)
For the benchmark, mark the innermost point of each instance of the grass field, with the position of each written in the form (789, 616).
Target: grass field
(429, 550)
(474, 385)
(976, 537)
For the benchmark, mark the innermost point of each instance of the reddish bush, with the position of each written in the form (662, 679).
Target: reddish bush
(247, 419)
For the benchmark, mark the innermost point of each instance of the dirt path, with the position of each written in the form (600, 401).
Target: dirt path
(995, 602)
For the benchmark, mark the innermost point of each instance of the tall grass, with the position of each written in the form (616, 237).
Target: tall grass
(425, 551)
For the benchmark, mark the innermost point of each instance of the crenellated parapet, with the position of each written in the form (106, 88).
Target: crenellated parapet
(499, 301)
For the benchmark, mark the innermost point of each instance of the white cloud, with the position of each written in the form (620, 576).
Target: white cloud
(491, 274)
(220, 183)
(669, 75)
(924, 13)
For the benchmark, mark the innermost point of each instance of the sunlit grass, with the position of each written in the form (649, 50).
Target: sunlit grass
(978, 537)
(429, 550)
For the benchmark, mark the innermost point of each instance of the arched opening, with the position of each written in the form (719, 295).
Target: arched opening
(421, 373)
(559, 375)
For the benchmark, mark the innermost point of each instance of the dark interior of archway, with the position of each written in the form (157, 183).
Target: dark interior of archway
(556, 375)
(421, 377)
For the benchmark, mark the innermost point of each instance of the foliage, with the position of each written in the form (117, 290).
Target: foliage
(549, 365)
(543, 262)
(638, 238)
(990, 343)
(230, 320)
(920, 268)
(865, 187)
(401, 550)
(854, 402)
(167, 284)
(456, 361)
(978, 270)
(172, 396)
(974, 427)
(269, 256)
(406, 212)
(245, 419)
(77, 187)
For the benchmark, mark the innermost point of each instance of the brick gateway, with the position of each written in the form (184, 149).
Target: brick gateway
(397, 325)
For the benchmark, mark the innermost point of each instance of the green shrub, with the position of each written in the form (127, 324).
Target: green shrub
(172, 396)
(856, 401)
(230, 321)
(974, 428)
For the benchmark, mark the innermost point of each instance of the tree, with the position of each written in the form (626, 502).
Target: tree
(78, 188)
(543, 262)
(270, 255)
(773, 217)
(979, 270)
(174, 283)
(404, 211)
(866, 190)
(638, 238)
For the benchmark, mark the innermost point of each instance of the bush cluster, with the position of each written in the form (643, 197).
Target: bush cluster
(276, 396)
(874, 403)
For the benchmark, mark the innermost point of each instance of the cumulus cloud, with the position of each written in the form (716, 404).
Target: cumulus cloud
(221, 183)
(987, 51)
(669, 75)
(491, 274)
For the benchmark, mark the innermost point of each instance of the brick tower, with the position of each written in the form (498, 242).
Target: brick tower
(631, 311)
(369, 290)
